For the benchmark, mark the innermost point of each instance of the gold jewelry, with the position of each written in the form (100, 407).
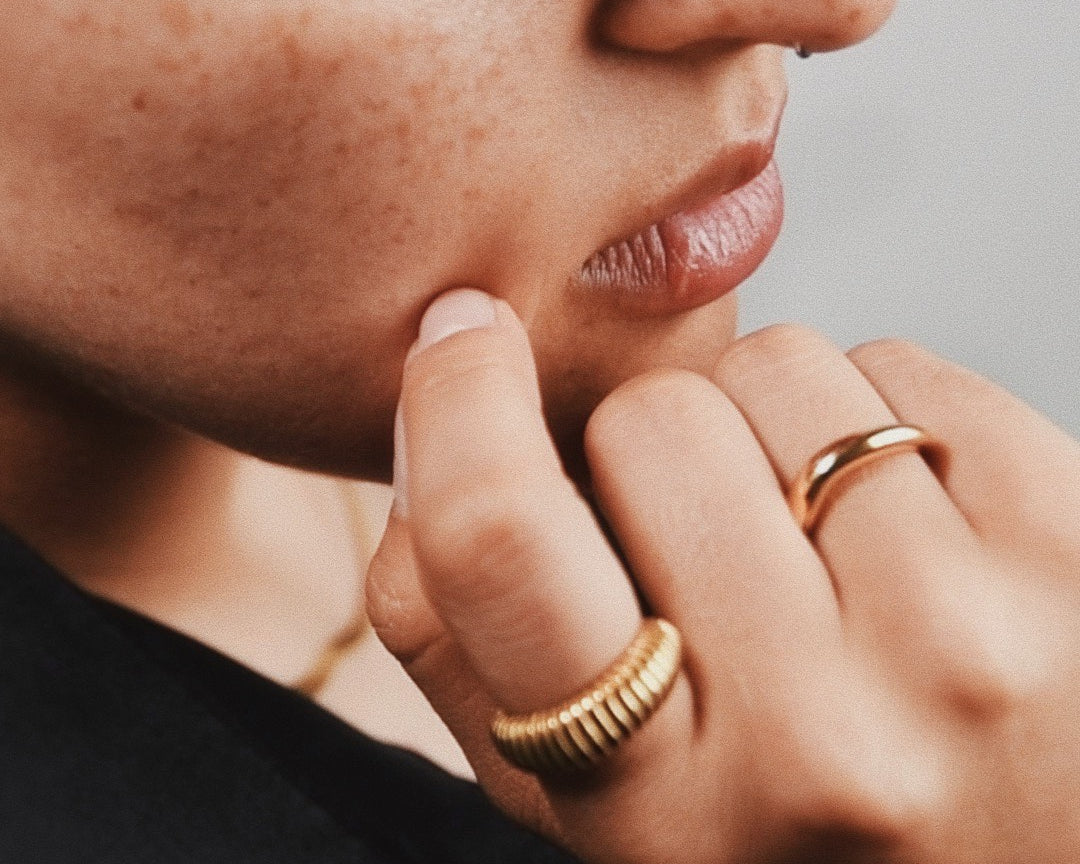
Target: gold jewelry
(588, 727)
(356, 628)
(821, 474)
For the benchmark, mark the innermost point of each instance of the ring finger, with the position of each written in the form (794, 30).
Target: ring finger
(891, 537)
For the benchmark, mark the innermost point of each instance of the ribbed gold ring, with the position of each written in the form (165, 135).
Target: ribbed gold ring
(821, 474)
(587, 728)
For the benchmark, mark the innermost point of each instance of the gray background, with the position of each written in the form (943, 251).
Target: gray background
(933, 193)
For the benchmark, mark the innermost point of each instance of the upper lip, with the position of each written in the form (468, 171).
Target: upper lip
(723, 171)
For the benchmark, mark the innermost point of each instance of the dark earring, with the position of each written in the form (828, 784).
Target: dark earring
(803, 51)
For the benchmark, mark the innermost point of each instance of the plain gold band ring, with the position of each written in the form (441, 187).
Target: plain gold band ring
(811, 489)
(587, 728)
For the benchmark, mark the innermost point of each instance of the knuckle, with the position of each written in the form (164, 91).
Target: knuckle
(396, 607)
(382, 597)
(397, 614)
(858, 794)
(886, 354)
(441, 375)
(486, 528)
(983, 694)
(486, 361)
(989, 652)
(859, 814)
(887, 363)
(996, 674)
(780, 341)
(780, 349)
(644, 404)
(895, 364)
(877, 778)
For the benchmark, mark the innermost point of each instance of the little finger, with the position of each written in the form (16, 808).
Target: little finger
(1013, 473)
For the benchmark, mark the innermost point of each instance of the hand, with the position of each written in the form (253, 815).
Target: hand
(905, 687)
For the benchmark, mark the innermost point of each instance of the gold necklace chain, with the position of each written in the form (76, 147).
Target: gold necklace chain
(356, 628)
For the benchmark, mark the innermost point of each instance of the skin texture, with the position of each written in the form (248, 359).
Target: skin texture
(901, 686)
(275, 190)
(221, 225)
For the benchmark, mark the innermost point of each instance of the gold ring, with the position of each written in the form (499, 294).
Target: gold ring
(587, 728)
(821, 474)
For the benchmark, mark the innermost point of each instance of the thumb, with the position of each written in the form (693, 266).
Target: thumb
(409, 628)
(514, 598)
(508, 554)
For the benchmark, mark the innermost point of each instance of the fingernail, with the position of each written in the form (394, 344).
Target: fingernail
(454, 311)
(400, 507)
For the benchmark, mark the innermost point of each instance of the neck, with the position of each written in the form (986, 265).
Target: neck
(257, 560)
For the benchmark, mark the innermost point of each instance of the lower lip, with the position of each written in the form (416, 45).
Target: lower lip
(694, 257)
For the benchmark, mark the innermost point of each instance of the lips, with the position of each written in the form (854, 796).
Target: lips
(693, 257)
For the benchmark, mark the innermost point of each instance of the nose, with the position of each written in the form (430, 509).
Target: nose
(671, 25)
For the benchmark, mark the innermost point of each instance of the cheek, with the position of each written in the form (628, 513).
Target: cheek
(308, 156)
(241, 172)
(256, 205)
(272, 197)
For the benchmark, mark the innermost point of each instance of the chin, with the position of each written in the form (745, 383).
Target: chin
(339, 420)
(605, 352)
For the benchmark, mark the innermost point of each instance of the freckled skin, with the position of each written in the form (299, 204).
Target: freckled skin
(232, 215)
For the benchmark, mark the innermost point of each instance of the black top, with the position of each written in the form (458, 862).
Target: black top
(124, 741)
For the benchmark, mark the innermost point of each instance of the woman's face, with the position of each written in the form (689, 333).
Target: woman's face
(232, 214)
